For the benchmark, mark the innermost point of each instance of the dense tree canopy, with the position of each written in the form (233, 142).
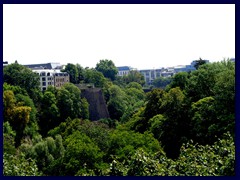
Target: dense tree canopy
(183, 129)
(72, 70)
(19, 75)
(108, 68)
(134, 76)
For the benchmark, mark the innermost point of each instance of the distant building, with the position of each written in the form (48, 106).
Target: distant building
(151, 74)
(123, 70)
(184, 68)
(50, 74)
(168, 72)
(44, 66)
(5, 63)
(193, 63)
(50, 77)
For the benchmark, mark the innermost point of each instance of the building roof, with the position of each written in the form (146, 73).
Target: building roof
(123, 68)
(43, 66)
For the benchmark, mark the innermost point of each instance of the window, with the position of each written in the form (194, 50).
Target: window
(43, 74)
(44, 83)
(48, 74)
(44, 89)
(49, 78)
(49, 83)
(43, 79)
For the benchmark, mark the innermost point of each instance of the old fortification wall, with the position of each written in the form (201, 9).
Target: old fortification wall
(97, 105)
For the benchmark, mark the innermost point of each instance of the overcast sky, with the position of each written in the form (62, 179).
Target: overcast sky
(137, 35)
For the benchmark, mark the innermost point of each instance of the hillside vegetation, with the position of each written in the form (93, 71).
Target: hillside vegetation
(184, 128)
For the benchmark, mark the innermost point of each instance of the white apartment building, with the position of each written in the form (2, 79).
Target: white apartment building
(123, 70)
(50, 77)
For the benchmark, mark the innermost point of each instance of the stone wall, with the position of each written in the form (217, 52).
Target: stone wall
(97, 105)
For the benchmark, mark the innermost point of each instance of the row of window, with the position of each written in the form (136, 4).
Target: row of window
(60, 80)
(123, 72)
(57, 79)
(49, 74)
(49, 78)
(50, 83)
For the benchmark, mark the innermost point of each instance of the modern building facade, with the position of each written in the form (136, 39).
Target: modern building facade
(123, 70)
(151, 74)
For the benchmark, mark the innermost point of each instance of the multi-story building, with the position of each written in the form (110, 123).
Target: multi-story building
(50, 77)
(50, 74)
(123, 70)
(151, 74)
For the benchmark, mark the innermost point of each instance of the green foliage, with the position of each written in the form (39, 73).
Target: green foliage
(8, 139)
(80, 70)
(14, 89)
(17, 115)
(117, 103)
(172, 101)
(201, 82)
(108, 121)
(156, 125)
(130, 111)
(162, 82)
(80, 152)
(154, 103)
(72, 70)
(31, 128)
(199, 63)
(108, 69)
(47, 153)
(18, 165)
(49, 115)
(134, 76)
(70, 103)
(179, 80)
(135, 95)
(124, 143)
(144, 164)
(9, 102)
(214, 160)
(134, 85)
(153, 135)
(95, 77)
(194, 160)
(18, 75)
(84, 108)
(97, 131)
(204, 120)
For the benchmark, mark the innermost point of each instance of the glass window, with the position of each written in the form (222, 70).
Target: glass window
(44, 83)
(48, 74)
(43, 79)
(43, 74)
